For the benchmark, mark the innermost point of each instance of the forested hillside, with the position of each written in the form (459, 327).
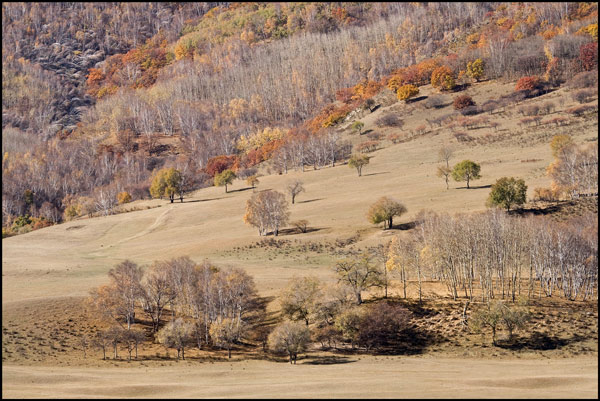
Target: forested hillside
(98, 97)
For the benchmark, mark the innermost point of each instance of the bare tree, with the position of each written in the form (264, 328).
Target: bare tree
(294, 188)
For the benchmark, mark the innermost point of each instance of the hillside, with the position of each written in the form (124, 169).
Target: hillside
(483, 300)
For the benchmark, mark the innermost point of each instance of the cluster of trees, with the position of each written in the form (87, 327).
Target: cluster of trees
(206, 305)
(503, 256)
(333, 314)
(466, 170)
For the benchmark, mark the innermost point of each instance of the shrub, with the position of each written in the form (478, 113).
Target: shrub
(123, 197)
(586, 79)
(420, 129)
(527, 83)
(375, 136)
(529, 110)
(381, 324)
(578, 111)
(389, 120)
(301, 225)
(406, 92)
(368, 146)
(462, 101)
(490, 105)
(470, 111)
(435, 102)
(588, 56)
(584, 95)
(394, 138)
(443, 79)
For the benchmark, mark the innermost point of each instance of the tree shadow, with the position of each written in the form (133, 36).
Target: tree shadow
(310, 200)
(404, 226)
(201, 200)
(292, 231)
(239, 190)
(417, 99)
(383, 172)
(328, 360)
(365, 132)
(477, 187)
(538, 341)
(556, 207)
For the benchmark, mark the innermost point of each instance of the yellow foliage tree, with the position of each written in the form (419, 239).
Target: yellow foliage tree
(406, 92)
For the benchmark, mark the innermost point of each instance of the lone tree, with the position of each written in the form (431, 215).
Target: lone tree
(466, 171)
(358, 162)
(445, 172)
(384, 210)
(359, 274)
(508, 191)
(358, 126)
(267, 209)
(291, 338)
(406, 92)
(294, 188)
(167, 182)
(225, 178)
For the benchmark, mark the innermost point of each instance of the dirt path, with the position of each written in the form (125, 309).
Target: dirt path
(367, 377)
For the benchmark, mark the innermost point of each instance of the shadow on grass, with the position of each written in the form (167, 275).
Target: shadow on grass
(538, 341)
(383, 172)
(239, 190)
(293, 231)
(327, 360)
(478, 187)
(416, 99)
(404, 226)
(310, 200)
(201, 200)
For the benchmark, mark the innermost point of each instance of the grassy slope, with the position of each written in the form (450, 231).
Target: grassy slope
(44, 267)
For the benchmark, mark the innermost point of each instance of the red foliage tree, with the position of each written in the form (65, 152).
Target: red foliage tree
(463, 101)
(527, 83)
(220, 163)
(588, 56)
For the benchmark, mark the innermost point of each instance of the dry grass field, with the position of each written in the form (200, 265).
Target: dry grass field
(47, 273)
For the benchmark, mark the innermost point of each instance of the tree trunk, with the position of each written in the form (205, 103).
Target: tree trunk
(225, 188)
(104, 353)
(183, 353)
(358, 298)
(229, 352)
(390, 223)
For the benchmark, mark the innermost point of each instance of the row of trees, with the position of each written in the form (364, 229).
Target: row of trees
(496, 255)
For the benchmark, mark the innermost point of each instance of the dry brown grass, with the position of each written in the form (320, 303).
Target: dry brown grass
(46, 274)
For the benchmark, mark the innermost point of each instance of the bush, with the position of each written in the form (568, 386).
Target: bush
(301, 225)
(381, 324)
(375, 136)
(490, 105)
(389, 120)
(394, 138)
(442, 78)
(463, 101)
(435, 102)
(470, 111)
(529, 110)
(527, 83)
(123, 197)
(586, 79)
(578, 111)
(368, 146)
(406, 92)
(584, 95)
